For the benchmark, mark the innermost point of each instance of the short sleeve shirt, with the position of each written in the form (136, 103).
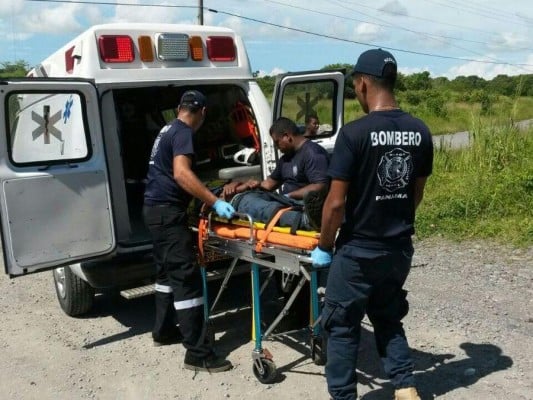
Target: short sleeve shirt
(174, 139)
(307, 165)
(381, 155)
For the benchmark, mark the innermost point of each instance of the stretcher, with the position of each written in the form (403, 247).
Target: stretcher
(264, 246)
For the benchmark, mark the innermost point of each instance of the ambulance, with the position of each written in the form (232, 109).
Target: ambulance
(77, 132)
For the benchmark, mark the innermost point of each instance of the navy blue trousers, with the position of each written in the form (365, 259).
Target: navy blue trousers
(178, 283)
(363, 280)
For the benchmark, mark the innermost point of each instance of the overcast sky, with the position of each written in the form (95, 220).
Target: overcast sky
(444, 37)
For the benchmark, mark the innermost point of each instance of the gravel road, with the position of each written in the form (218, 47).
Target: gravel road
(470, 327)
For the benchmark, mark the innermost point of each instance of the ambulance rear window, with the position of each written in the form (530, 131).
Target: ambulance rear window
(47, 128)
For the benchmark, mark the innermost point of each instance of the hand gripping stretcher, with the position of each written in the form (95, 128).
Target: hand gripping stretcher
(272, 247)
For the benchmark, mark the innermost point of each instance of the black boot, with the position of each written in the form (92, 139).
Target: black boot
(211, 363)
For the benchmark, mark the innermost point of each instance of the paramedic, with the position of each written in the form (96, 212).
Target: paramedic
(379, 168)
(311, 125)
(170, 187)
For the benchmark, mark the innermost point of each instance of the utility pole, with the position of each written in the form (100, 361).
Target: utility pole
(201, 12)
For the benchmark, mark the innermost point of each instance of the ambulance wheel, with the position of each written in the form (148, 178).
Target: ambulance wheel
(75, 295)
(269, 373)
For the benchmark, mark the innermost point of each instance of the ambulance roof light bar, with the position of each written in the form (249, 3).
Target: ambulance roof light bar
(221, 48)
(172, 46)
(116, 48)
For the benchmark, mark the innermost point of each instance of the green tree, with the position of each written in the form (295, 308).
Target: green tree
(418, 81)
(14, 70)
(266, 83)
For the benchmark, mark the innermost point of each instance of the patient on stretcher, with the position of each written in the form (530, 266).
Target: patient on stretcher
(263, 206)
(300, 175)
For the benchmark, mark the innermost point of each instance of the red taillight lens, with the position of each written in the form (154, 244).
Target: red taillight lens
(220, 48)
(116, 49)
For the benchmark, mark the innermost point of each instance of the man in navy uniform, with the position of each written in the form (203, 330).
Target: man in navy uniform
(170, 188)
(379, 168)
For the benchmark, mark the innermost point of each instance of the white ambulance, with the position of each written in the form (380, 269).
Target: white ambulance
(76, 135)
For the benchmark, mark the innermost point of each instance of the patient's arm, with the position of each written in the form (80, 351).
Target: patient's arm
(232, 188)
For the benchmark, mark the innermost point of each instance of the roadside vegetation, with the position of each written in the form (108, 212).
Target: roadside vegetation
(484, 191)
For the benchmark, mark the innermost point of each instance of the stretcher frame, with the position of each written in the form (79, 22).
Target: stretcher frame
(290, 261)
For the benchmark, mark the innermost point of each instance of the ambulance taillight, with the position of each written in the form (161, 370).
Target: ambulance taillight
(116, 48)
(146, 52)
(197, 48)
(220, 48)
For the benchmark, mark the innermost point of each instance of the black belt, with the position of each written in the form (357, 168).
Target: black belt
(162, 205)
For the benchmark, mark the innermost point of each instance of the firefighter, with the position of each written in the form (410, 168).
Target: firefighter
(378, 172)
(170, 187)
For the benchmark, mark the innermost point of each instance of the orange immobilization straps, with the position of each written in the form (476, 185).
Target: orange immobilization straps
(202, 237)
(269, 227)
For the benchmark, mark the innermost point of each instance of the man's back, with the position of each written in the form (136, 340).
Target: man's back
(381, 155)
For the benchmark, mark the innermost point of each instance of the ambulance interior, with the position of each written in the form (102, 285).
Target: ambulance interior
(229, 127)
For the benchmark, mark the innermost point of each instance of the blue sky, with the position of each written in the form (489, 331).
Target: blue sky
(445, 37)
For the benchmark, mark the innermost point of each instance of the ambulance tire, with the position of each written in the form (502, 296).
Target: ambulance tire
(75, 296)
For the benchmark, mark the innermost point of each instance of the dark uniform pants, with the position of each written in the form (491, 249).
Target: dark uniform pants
(370, 281)
(178, 282)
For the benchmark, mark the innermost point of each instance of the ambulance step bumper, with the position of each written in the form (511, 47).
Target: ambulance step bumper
(138, 292)
(217, 274)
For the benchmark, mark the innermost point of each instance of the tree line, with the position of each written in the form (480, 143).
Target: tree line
(517, 85)
(470, 86)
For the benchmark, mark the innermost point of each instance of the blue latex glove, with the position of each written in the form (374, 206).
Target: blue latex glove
(224, 209)
(321, 258)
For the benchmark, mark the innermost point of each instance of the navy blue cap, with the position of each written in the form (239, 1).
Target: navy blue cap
(373, 62)
(193, 98)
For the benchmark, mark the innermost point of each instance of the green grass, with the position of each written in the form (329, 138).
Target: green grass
(459, 114)
(484, 191)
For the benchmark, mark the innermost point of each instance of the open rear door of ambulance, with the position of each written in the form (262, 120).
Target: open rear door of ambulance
(300, 95)
(54, 191)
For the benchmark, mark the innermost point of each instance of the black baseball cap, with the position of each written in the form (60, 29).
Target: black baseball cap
(373, 62)
(193, 98)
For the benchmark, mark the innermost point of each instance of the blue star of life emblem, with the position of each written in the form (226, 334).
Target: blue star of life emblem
(66, 112)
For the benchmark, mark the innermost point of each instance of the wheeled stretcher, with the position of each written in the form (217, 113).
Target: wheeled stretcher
(272, 247)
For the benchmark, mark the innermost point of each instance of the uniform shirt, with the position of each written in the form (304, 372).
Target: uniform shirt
(174, 139)
(309, 164)
(381, 155)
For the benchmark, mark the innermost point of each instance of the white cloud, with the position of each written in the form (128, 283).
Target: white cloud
(394, 8)
(11, 7)
(509, 41)
(368, 32)
(413, 70)
(55, 20)
(17, 36)
(93, 14)
(148, 14)
(489, 71)
(275, 71)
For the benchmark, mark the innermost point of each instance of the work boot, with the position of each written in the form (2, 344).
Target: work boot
(173, 336)
(409, 393)
(211, 363)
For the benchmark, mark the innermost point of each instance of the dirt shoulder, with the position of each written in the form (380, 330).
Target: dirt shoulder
(470, 327)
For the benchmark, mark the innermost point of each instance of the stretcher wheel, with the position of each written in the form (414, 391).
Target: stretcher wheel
(270, 372)
(319, 346)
